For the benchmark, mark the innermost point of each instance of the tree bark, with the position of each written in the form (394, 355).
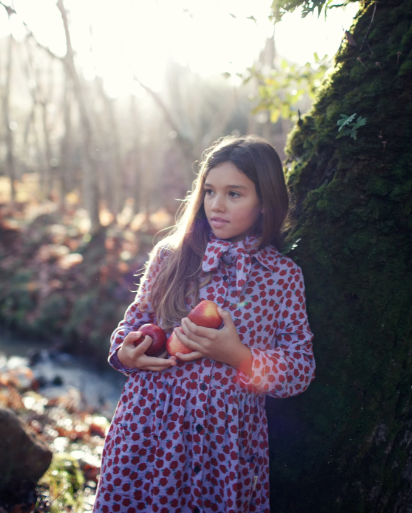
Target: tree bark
(65, 167)
(346, 444)
(135, 165)
(116, 171)
(9, 139)
(92, 167)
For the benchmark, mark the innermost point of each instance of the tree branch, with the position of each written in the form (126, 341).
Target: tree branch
(30, 34)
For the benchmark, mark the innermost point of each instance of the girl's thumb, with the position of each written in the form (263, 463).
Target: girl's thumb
(143, 344)
(223, 313)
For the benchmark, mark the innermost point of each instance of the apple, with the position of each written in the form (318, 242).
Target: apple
(205, 314)
(157, 335)
(173, 345)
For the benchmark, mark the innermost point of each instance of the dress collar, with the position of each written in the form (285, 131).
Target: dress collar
(216, 248)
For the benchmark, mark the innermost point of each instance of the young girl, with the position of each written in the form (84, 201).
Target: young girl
(190, 432)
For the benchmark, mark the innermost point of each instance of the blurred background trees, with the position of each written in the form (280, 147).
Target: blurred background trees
(75, 143)
(101, 133)
(89, 175)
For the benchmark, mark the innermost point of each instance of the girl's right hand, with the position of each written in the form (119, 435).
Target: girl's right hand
(134, 357)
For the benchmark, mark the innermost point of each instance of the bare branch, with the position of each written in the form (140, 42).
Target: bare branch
(184, 143)
(30, 34)
(369, 28)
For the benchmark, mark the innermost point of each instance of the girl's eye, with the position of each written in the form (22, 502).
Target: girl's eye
(234, 194)
(208, 192)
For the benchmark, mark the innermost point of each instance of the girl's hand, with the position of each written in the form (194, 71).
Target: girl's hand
(222, 345)
(134, 357)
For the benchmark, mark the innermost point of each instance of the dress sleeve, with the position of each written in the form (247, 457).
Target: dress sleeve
(289, 366)
(138, 313)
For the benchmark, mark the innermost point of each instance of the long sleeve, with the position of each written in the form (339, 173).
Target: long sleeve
(138, 313)
(288, 367)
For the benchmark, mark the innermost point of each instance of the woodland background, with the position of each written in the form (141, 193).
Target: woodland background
(87, 181)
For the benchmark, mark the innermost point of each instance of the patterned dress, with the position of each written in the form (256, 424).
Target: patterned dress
(194, 438)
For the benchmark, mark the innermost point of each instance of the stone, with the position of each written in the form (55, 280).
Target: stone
(23, 455)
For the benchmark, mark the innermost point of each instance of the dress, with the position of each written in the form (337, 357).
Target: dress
(194, 438)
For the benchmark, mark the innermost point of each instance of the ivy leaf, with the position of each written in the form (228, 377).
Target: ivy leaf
(345, 120)
(350, 125)
(359, 122)
(290, 246)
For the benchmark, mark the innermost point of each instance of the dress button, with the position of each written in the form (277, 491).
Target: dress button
(199, 428)
(203, 387)
(196, 510)
(197, 469)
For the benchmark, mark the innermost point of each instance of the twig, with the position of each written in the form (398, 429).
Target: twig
(360, 60)
(369, 28)
(30, 34)
(58, 495)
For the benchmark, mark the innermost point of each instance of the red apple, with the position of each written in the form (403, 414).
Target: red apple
(173, 345)
(205, 314)
(158, 336)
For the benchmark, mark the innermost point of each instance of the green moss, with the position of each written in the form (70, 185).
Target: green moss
(64, 481)
(355, 252)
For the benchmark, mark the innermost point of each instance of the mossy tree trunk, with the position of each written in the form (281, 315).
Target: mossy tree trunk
(345, 444)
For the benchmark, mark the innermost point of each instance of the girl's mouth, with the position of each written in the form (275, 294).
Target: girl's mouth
(217, 222)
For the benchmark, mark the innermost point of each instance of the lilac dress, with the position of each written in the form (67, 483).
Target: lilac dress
(194, 438)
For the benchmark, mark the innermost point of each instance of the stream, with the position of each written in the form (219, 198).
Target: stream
(60, 373)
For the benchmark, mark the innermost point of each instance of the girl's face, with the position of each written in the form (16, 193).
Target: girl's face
(231, 203)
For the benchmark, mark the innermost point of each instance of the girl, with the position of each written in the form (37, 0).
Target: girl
(190, 433)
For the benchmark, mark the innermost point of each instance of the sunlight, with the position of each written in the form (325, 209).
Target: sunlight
(297, 38)
(122, 38)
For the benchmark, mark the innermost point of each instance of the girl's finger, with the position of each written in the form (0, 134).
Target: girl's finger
(132, 337)
(156, 369)
(196, 332)
(186, 340)
(153, 361)
(225, 315)
(190, 356)
(144, 346)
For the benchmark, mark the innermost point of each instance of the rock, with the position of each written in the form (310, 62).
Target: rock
(42, 382)
(21, 377)
(34, 356)
(57, 381)
(23, 456)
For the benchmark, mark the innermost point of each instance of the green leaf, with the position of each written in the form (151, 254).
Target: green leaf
(360, 122)
(345, 120)
(274, 115)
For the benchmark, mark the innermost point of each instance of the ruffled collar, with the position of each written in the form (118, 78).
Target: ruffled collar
(240, 252)
(217, 248)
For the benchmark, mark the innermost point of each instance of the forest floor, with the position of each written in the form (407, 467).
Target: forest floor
(74, 434)
(69, 288)
(64, 284)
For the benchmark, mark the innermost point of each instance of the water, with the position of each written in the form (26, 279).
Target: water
(60, 373)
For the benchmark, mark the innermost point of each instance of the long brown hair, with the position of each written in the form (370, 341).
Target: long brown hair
(185, 245)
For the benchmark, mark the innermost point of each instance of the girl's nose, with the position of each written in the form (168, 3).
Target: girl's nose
(218, 204)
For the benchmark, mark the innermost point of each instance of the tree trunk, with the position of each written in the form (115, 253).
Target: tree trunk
(91, 167)
(65, 166)
(345, 444)
(116, 171)
(135, 165)
(9, 139)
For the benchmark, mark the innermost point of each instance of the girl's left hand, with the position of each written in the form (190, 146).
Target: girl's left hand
(222, 345)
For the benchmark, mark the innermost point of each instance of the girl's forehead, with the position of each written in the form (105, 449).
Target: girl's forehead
(227, 173)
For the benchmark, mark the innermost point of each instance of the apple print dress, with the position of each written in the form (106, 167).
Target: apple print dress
(193, 438)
